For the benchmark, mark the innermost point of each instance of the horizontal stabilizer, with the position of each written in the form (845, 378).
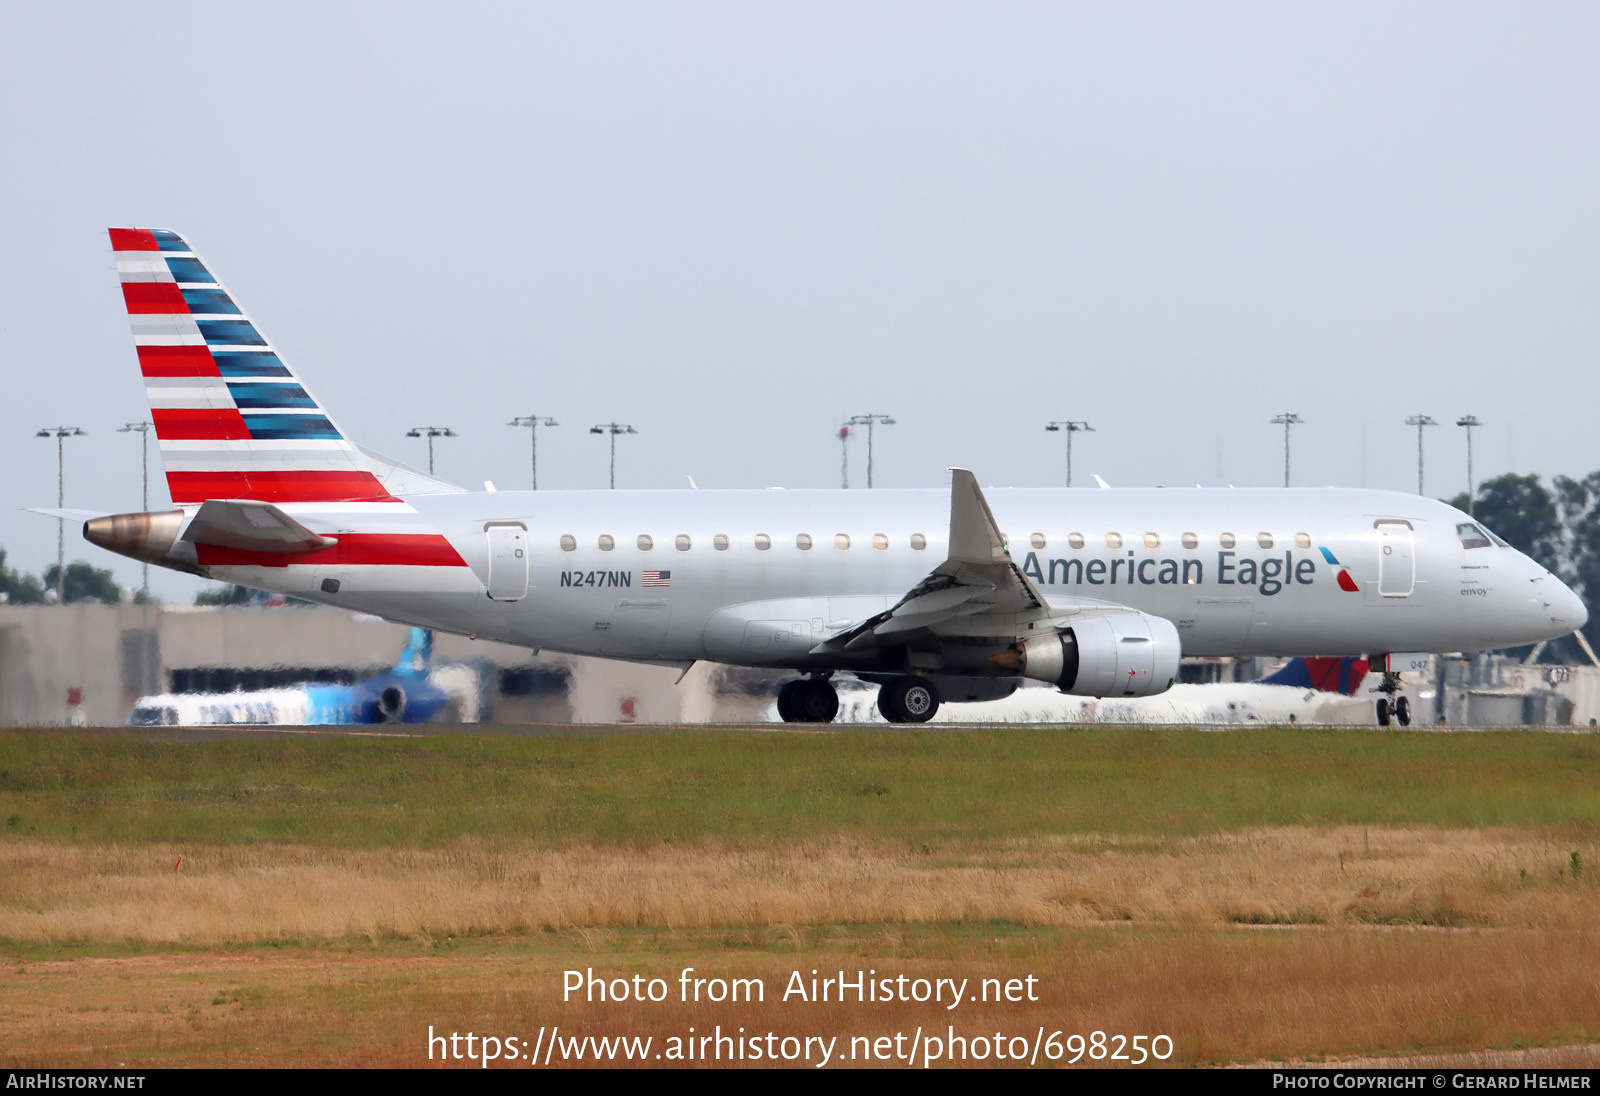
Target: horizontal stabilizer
(253, 526)
(67, 513)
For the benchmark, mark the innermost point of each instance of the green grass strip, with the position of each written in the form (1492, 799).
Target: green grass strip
(917, 788)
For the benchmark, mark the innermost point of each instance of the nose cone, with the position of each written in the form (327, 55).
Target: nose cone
(1566, 608)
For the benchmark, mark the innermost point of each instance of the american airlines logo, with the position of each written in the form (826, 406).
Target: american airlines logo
(1346, 583)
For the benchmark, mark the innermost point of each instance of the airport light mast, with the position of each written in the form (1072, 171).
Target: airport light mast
(844, 456)
(1071, 427)
(1469, 421)
(431, 432)
(143, 430)
(868, 421)
(1419, 421)
(61, 434)
(1286, 420)
(613, 428)
(146, 676)
(533, 422)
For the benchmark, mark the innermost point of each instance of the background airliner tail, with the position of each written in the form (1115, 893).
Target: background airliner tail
(1327, 675)
(233, 420)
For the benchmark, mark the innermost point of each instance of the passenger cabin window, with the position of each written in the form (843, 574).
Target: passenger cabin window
(1037, 540)
(841, 541)
(645, 543)
(1075, 540)
(1113, 540)
(569, 543)
(607, 542)
(763, 542)
(802, 541)
(918, 541)
(1152, 541)
(682, 541)
(880, 542)
(720, 542)
(1264, 539)
(1302, 540)
(1472, 537)
(1191, 541)
(1226, 540)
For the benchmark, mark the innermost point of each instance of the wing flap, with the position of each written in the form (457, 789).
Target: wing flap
(976, 590)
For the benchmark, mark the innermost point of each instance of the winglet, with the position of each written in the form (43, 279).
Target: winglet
(974, 536)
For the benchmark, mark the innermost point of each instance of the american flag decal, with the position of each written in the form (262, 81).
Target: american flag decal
(657, 578)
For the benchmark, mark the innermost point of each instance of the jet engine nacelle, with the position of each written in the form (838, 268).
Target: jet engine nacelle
(391, 704)
(1128, 654)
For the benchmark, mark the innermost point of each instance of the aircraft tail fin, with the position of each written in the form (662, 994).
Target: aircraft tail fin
(417, 659)
(233, 420)
(1326, 675)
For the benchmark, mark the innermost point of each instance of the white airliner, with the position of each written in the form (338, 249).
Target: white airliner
(1289, 696)
(932, 595)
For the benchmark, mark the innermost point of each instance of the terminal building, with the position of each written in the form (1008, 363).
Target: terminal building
(89, 663)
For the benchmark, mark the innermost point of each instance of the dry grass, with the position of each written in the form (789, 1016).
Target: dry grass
(1223, 997)
(53, 894)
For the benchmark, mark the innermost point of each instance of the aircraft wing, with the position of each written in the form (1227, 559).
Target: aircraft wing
(976, 591)
(256, 526)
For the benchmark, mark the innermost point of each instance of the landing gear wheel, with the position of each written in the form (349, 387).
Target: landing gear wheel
(816, 702)
(1391, 701)
(807, 701)
(908, 700)
(788, 706)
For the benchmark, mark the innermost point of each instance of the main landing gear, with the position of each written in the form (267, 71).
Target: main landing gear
(900, 699)
(808, 700)
(1389, 704)
(908, 700)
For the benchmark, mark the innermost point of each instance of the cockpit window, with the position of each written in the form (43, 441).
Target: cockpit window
(1497, 538)
(1472, 536)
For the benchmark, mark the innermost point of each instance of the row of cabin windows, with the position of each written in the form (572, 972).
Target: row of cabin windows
(1190, 540)
(721, 543)
(841, 541)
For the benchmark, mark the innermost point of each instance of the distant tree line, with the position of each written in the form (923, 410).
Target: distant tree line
(92, 584)
(1558, 526)
(83, 583)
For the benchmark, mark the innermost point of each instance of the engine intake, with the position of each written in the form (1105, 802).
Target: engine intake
(391, 704)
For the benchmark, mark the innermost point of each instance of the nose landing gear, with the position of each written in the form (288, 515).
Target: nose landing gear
(1389, 704)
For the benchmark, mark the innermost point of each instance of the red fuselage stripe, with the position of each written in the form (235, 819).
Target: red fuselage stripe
(380, 549)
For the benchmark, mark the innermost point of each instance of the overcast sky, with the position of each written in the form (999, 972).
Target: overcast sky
(734, 225)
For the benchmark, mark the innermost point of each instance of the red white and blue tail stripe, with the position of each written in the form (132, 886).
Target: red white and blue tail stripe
(233, 420)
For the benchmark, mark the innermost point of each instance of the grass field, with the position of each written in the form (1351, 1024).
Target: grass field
(1255, 894)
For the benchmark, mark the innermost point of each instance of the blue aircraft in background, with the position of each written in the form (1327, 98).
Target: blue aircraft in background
(401, 694)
